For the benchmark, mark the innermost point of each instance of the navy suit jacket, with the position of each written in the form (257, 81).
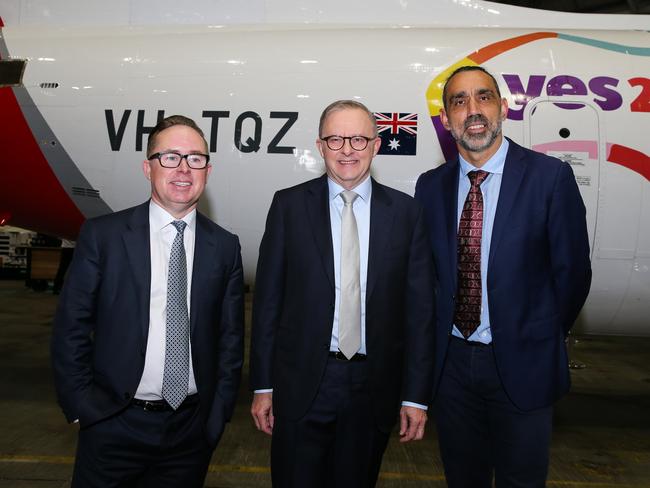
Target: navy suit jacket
(293, 310)
(539, 270)
(100, 330)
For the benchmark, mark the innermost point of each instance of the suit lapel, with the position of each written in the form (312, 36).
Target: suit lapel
(205, 245)
(381, 226)
(513, 173)
(136, 243)
(450, 201)
(318, 211)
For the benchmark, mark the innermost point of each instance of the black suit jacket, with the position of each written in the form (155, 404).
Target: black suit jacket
(102, 321)
(538, 274)
(293, 310)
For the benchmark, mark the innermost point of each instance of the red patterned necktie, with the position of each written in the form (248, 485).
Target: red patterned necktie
(467, 316)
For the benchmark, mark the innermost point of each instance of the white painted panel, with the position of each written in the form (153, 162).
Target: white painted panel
(235, 69)
(573, 136)
(75, 12)
(164, 12)
(10, 11)
(440, 13)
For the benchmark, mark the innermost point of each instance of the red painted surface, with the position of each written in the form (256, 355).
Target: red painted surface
(31, 193)
(630, 158)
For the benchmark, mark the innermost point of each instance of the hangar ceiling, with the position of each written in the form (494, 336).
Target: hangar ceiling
(587, 6)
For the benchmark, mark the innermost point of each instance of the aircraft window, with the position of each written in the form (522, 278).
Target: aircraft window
(11, 72)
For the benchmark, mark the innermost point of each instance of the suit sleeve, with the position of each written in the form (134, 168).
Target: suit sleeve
(569, 246)
(419, 197)
(231, 339)
(269, 297)
(74, 322)
(420, 319)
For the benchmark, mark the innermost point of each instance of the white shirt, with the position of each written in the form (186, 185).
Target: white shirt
(161, 237)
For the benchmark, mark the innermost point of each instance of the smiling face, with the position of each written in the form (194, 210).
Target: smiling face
(346, 166)
(474, 114)
(177, 190)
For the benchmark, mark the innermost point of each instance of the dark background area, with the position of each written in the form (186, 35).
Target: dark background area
(587, 6)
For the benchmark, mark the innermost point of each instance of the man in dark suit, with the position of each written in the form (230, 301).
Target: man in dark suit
(509, 239)
(147, 345)
(337, 346)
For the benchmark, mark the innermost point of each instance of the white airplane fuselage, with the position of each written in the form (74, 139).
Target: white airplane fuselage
(73, 129)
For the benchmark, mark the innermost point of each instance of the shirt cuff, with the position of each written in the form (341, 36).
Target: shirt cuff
(416, 405)
(266, 390)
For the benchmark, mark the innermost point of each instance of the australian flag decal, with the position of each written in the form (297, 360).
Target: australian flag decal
(398, 132)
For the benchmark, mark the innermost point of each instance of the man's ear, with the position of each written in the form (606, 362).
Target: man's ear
(319, 145)
(444, 119)
(146, 169)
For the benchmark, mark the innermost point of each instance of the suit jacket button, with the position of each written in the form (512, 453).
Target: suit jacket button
(127, 395)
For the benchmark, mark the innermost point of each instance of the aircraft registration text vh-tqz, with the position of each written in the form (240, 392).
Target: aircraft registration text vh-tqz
(83, 82)
(251, 144)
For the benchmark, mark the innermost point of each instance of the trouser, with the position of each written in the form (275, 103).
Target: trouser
(139, 448)
(337, 443)
(480, 432)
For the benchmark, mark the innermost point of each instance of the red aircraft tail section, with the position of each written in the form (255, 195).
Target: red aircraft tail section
(31, 195)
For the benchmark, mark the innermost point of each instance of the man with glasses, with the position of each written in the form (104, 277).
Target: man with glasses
(342, 316)
(147, 344)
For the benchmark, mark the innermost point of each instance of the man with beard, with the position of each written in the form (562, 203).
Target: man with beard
(509, 239)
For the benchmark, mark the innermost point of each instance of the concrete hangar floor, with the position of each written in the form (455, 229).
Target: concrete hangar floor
(601, 434)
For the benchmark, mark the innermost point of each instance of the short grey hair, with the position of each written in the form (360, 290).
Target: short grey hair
(343, 105)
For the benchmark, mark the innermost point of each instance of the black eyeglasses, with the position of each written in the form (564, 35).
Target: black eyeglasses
(358, 143)
(173, 159)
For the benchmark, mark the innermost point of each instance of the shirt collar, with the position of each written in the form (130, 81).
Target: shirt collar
(493, 165)
(363, 189)
(159, 218)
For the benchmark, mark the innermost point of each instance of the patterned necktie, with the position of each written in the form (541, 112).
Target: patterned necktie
(350, 308)
(177, 360)
(467, 316)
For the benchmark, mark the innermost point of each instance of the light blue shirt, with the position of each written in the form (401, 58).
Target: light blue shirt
(361, 209)
(490, 190)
